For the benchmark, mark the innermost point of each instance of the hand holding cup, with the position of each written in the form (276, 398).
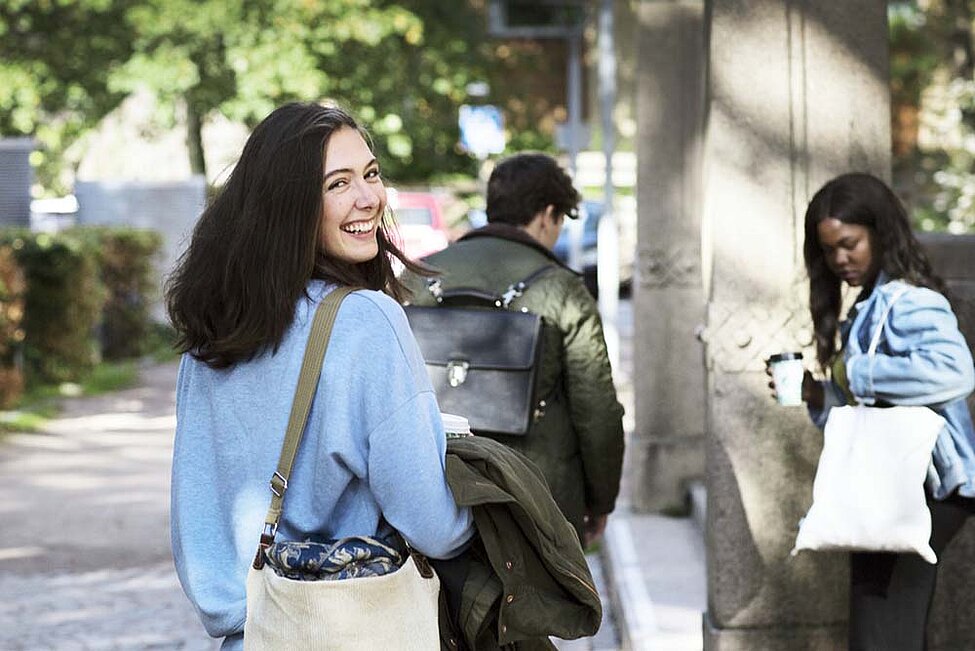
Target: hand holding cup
(788, 377)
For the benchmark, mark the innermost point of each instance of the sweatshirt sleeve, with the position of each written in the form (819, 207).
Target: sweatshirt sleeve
(407, 447)
(597, 415)
(408, 478)
(925, 361)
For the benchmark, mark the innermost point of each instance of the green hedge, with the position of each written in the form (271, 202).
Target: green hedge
(87, 295)
(12, 288)
(126, 259)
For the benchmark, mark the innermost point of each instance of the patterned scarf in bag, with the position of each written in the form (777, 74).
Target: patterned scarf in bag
(345, 558)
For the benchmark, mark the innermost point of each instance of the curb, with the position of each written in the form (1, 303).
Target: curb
(629, 599)
(632, 583)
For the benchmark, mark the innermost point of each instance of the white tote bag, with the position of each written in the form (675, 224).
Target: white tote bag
(868, 494)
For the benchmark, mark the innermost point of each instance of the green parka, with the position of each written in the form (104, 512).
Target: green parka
(578, 441)
(529, 578)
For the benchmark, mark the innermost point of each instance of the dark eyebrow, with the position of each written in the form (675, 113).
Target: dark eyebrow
(348, 170)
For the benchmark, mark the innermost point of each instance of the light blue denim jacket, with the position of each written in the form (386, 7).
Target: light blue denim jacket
(922, 359)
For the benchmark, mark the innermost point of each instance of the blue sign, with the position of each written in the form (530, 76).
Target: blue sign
(482, 130)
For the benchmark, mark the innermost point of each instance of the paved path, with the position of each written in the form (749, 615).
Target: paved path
(84, 546)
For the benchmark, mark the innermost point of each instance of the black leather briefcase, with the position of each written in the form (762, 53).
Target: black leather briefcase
(482, 358)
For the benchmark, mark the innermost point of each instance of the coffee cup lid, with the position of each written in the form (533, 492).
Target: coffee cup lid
(454, 424)
(782, 357)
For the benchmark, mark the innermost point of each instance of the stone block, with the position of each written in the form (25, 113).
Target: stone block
(785, 638)
(669, 381)
(662, 472)
(761, 460)
(952, 623)
(798, 93)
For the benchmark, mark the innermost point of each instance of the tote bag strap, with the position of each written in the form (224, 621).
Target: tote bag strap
(311, 368)
(883, 320)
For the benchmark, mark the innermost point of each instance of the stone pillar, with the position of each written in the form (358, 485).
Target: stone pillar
(667, 448)
(797, 93)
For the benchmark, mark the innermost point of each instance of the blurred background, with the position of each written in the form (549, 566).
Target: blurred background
(125, 115)
(119, 118)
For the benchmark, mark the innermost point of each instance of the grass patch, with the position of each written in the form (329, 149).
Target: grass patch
(108, 376)
(21, 421)
(41, 403)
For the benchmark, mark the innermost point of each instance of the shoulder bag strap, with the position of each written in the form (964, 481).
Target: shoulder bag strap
(311, 368)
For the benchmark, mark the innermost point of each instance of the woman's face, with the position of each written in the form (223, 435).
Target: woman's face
(848, 249)
(354, 198)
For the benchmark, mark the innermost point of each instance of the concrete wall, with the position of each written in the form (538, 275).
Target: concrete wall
(170, 207)
(952, 625)
(16, 177)
(667, 448)
(797, 93)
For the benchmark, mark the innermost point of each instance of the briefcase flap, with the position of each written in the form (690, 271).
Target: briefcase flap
(484, 338)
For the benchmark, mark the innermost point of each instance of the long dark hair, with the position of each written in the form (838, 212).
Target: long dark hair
(866, 200)
(233, 292)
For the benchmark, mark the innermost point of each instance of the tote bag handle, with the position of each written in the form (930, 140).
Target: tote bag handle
(883, 320)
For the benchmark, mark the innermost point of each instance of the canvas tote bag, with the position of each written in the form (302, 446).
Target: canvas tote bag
(868, 494)
(397, 610)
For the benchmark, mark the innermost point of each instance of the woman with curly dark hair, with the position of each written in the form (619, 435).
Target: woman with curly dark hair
(858, 233)
(303, 213)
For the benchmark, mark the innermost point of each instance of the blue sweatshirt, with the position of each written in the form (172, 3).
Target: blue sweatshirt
(373, 448)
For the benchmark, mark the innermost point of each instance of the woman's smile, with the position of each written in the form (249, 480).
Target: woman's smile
(354, 199)
(360, 229)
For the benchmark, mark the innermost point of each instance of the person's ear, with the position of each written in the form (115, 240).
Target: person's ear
(552, 215)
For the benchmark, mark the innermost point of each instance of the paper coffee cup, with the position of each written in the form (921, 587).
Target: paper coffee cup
(455, 425)
(787, 372)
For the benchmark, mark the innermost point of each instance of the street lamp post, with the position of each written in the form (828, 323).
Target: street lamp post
(608, 249)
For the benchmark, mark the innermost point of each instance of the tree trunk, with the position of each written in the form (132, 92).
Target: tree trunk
(194, 139)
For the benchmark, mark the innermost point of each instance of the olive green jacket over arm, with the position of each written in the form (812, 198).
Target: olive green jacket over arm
(578, 441)
(532, 580)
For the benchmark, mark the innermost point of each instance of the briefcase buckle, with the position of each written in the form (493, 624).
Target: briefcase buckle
(457, 372)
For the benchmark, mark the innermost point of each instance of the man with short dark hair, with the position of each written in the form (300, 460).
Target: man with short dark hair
(576, 437)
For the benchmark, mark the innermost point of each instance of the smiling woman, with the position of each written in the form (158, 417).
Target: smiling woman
(302, 216)
(304, 201)
(354, 199)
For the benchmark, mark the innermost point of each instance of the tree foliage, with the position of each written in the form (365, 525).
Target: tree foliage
(402, 67)
(56, 61)
(933, 104)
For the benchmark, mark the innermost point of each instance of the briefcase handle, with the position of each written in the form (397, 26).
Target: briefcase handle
(477, 296)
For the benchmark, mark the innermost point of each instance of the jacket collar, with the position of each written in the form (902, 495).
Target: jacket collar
(881, 280)
(512, 234)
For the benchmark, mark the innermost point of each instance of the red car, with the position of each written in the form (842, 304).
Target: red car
(420, 222)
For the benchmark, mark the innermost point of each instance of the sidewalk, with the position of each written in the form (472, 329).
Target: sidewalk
(85, 560)
(84, 549)
(655, 565)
